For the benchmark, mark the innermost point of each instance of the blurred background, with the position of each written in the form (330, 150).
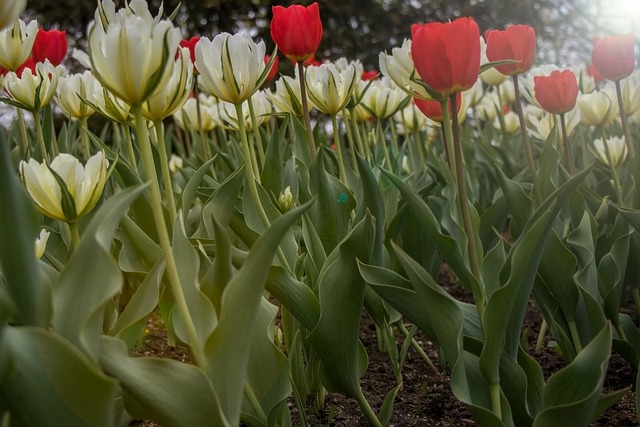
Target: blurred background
(360, 29)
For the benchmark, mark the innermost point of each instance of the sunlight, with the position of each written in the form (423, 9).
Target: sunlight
(618, 16)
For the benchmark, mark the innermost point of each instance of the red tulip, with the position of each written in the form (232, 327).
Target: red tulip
(51, 45)
(369, 75)
(593, 72)
(447, 55)
(517, 42)
(613, 56)
(273, 72)
(297, 30)
(557, 92)
(191, 45)
(432, 109)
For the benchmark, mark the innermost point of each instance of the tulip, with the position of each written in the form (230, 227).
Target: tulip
(73, 90)
(410, 119)
(597, 108)
(399, 67)
(41, 243)
(187, 116)
(108, 105)
(329, 88)
(511, 123)
(616, 147)
(447, 55)
(286, 96)
(73, 192)
(51, 45)
(175, 163)
(432, 110)
(231, 66)
(16, 44)
(630, 94)
(262, 110)
(132, 53)
(613, 56)
(382, 99)
(557, 93)
(10, 10)
(297, 31)
(32, 91)
(191, 45)
(517, 42)
(174, 94)
(369, 75)
(273, 71)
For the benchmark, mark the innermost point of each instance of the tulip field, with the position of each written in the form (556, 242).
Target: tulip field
(256, 208)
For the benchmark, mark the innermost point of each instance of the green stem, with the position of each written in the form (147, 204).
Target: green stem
(24, 138)
(575, 336)
(256, 133)
(448, 135)
(394, 140)
(75, 236)
(478, 290)
(364, 148)
(84, 138)
(40, 136)
(541, 334)
(383, 143)
(142, 138)
(419, 350)
(625, 123)
(305, 109)
(496, 404)
(206, 154)
(336, 141)
(525, 140)
(620, 332)
(255, 403)
(368, 412)
(130, 151)
(164, 168)
(568, 156)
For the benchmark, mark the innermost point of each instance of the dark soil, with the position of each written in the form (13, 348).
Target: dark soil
(426, 398)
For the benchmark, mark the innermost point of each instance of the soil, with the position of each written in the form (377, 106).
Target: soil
(426, 398)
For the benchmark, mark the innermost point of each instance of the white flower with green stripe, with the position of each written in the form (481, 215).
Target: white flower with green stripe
(330, 88)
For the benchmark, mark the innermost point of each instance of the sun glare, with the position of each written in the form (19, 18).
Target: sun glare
(618, 16)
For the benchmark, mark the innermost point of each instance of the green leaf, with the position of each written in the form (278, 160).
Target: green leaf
(571, 395)
(227, 349)
(17, 257)
(189, 193)
(82, 294)
(341, 294)
(171, 393)
(51, 383)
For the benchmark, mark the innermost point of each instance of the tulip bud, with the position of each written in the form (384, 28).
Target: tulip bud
(613, 56)
(51, 45)
(41, 243)
(517, 42)
(297, 30)
(285, 199)
(175, 163)
(65, 190)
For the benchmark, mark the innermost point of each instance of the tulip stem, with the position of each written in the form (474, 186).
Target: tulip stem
(478, 289)
(142, 138)
(24, 139)
(206, 154)
(166, 173)
(568, 157)
(130, 152)
(305, 109)
(363, 147)
(84, 138)
(496, 404)
(40, 136)
(448, 135)
(383, 143)
(525, 141)
(336, 141)
(368, 411)
(256, 133)
(75, 236)
(625, 122)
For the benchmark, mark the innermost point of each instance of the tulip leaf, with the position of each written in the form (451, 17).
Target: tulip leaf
(22, 278)
(51, 383)
(82, 294)
(571, 395)
(221, 204)
(227, 349)
(341, 293)
(171, 393)
(189, 192)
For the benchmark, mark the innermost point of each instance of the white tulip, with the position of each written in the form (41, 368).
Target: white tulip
(41, 243)
(329, 88)
(617, 150)
(73, 91)
(16, 43)
(31, 91)
(399, 67)
(597, 108)
(382, 98)
(10, 10)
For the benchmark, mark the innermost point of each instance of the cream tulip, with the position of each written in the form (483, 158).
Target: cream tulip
(617, 150)
(329, 88)
(73, 92)
(108, 105)
(409, 119)
(597, 108)
(10, 10)
(16, 43)
(231, 66)
(171, 97)
(41, 243)
(262, 109)
(81, 190)
(511, 123)
(399, 67)
(31, 91)
(187, 116)
(383, 98)
(286, 97)
(131, 52)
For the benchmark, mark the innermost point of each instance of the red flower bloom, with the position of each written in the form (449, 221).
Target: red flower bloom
(432, 109)
(613, 56)
(517, 42)
(593, 72)
(556, 92)
(273, 72)
(369, 75)
(297, 30)
(447, 55)
(191, 45)
(51, 45)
